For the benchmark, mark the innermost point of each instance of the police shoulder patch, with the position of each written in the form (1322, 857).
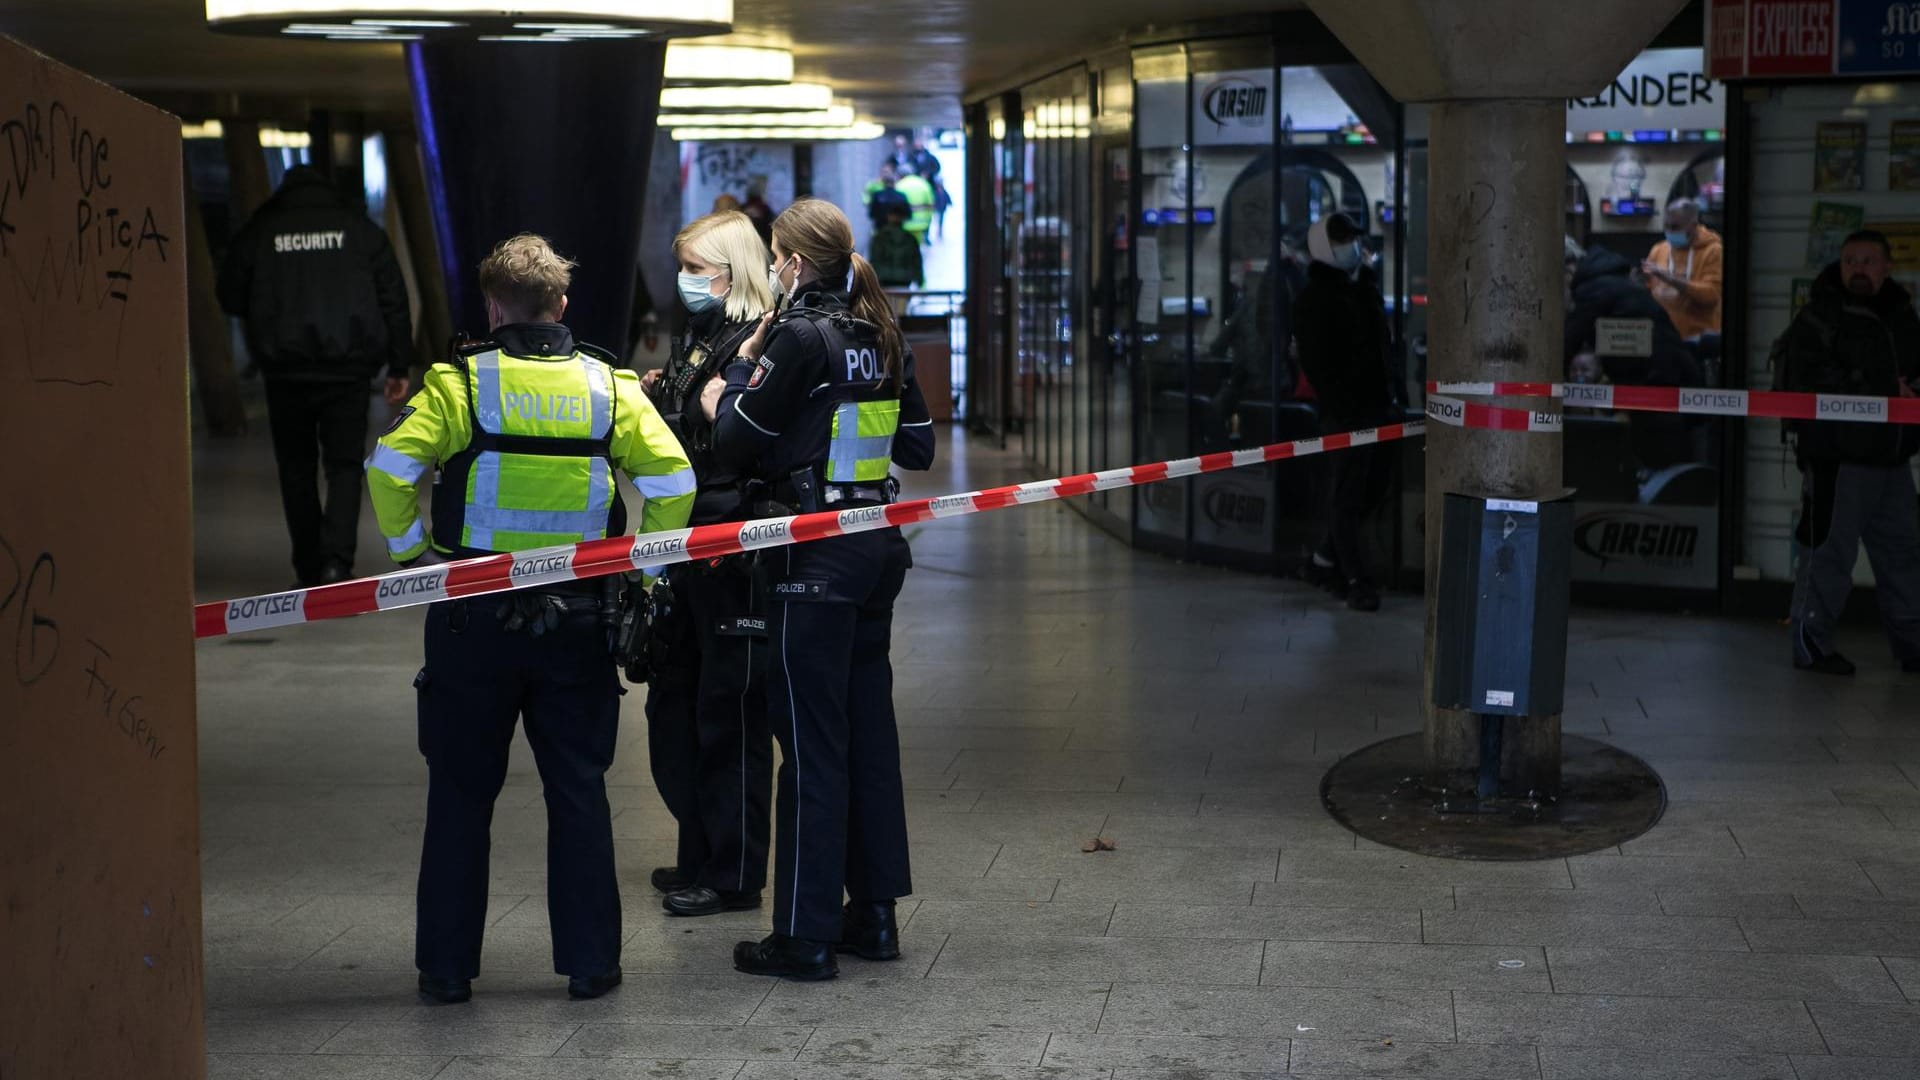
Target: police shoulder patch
(398, 419)
(761, 369)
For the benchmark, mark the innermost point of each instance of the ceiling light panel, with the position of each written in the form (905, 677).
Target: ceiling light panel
(703, 63)
(464, 17)
(792, 97)
(837, 116)
(860, 132)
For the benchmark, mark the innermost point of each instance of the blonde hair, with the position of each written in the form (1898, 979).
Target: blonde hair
(817, 231)
(526, 277)
(728, 240)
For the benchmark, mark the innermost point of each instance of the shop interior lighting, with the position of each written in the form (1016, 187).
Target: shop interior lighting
(271, 138)
(576, 19)
(718, 63)
(862, 132)
(276, 139)
(790, 97)
(837, 117)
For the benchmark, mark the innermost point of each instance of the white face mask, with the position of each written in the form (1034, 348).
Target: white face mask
(773, 279)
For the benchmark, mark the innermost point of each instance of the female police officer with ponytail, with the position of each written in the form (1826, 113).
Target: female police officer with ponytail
(820, 404)
(707, 705)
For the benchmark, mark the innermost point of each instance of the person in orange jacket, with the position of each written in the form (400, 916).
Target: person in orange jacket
(1685, 271)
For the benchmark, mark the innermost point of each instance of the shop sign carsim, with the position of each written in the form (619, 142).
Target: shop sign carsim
(1633, 544)
(1233, 108)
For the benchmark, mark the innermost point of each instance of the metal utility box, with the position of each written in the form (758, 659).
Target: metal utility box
(1501, 635)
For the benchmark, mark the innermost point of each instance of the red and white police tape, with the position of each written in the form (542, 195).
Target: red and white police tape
(1701, 401)
(615, 555)
(1456, 413)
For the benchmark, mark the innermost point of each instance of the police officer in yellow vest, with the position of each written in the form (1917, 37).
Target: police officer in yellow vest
(527, 431)
(821, 405)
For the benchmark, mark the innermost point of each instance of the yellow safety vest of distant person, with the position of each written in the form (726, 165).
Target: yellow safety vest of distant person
(919, 195)
(527, 447)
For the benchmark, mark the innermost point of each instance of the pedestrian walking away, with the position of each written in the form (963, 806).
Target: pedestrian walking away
(325, 309)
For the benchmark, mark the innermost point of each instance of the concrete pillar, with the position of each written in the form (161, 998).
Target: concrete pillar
(551, 139)
(408, 180)
(1494, 252)
(209, 342)
(246, 169)
(1498, 73)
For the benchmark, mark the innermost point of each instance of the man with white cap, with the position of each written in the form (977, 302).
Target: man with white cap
(1340, 332)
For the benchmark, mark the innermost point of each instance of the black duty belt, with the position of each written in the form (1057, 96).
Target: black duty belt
(836, 496)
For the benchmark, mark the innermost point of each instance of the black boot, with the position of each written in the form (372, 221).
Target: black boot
(582, 987)
(868, 930)
(445, 991)
(786, 957)
(668, 879)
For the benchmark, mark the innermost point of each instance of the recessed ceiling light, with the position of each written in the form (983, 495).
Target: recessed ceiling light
(469, 19)
(788, 97)
(837, 116)
(704, 63)
(859, 132)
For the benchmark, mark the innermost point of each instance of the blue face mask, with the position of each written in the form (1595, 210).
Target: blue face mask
(1679, 237)
(696, 291)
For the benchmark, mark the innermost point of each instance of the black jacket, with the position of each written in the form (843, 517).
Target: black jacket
(318, 286)
(1340, 327)
(1845, 344)
(776, 416)
(711, 343)
(1604, 289)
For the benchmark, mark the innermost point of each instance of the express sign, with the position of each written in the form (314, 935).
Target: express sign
(1770, 39)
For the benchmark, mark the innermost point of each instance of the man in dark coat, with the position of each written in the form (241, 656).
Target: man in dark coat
(1603, 288)
(325, 308)
(1340, 331)
(1857, 335)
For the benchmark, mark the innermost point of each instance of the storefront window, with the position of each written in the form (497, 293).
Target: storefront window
(1826, 160)
(1162, 260)
(1653, 135)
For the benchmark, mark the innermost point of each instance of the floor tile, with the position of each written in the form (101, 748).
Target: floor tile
(1195, 1053)
(1262, 923)
(1713, 974)
(938, 1005)
(849, 1044)
(1406, 1059)
(753, 1042)
(1423, 967)
(1745, 1027)
(983, 956)
(1863, 1030)
(1573, 929)
(1297, 1012)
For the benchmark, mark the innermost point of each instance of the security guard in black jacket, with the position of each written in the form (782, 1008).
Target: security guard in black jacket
(820, 404)
(707, 733)
(325, 308)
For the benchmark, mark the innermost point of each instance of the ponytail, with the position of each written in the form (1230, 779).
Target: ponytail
(868, 299)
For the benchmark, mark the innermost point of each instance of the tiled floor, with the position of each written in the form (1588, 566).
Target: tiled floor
(1054, 686)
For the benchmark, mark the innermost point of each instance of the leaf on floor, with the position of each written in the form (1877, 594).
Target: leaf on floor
(1098, 843)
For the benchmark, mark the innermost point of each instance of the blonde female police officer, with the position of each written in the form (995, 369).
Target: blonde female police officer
(527, 431)
(707, 705)
(820, 405)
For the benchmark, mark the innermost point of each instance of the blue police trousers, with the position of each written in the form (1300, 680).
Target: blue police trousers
(479, 680)
(841, 817)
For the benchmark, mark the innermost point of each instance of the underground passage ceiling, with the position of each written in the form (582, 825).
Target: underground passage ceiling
(886, 54)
